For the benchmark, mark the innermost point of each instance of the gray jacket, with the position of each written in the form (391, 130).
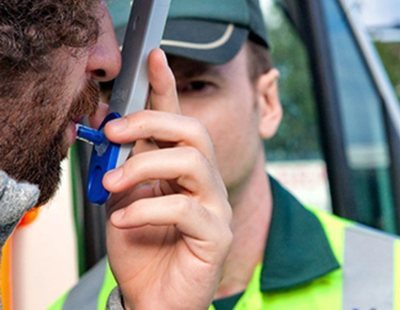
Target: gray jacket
(15, 200)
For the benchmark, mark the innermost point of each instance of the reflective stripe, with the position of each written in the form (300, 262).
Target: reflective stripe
(368, 270)
(396, 267)
(85, 294)
(109, 284)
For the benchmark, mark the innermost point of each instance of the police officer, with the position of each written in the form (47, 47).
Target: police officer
(283, 255)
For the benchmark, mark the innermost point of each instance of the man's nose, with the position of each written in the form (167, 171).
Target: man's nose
(104, 61)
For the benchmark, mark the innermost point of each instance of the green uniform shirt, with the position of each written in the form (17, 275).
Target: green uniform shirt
(312, 261)
(297, 249)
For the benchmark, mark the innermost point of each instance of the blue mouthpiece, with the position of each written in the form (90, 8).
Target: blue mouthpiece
(104, 158)
(90, 135)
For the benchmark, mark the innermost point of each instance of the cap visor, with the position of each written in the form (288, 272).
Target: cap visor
(206, 41)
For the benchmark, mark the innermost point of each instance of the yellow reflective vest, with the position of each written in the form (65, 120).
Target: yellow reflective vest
(313, 260)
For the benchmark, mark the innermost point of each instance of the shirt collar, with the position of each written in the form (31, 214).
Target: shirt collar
(297, 248)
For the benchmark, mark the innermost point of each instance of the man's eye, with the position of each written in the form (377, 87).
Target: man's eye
(194, 86)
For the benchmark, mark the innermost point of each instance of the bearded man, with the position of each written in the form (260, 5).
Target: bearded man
(52, 56)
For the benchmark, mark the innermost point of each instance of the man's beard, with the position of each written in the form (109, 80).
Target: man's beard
(34, 146)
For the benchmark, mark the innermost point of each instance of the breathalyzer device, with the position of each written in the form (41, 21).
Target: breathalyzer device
(130, 91)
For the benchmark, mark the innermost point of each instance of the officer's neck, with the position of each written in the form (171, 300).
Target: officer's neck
(252, 212)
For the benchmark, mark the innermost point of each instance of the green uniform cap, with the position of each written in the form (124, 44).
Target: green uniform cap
(211, 31)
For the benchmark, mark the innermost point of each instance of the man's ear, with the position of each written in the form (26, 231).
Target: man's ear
(269, 105)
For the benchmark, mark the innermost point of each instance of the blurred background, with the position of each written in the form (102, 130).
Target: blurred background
(338, 148)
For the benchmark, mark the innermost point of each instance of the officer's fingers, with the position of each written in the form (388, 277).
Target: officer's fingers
(205, 232)
(163, 95)
(185, 165)
(122, 200)
(162, 127)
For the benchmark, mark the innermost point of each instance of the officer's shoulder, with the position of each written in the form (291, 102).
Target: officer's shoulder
(330, 221)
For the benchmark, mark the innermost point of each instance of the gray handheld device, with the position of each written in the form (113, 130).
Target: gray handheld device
(143, 33)
(131, 88)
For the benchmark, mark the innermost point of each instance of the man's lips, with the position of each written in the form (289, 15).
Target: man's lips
(95, 119)
(70, 132)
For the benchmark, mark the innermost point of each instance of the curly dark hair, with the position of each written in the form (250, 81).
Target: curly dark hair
(32, 30)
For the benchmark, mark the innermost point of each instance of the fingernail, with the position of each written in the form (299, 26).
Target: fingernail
(118, 125)
(114, 175)
(164, 57)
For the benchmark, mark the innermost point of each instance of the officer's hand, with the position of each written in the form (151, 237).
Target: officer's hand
(168, 229)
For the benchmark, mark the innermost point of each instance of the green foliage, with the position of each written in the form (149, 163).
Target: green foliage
(297, 137)
(390, 55)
